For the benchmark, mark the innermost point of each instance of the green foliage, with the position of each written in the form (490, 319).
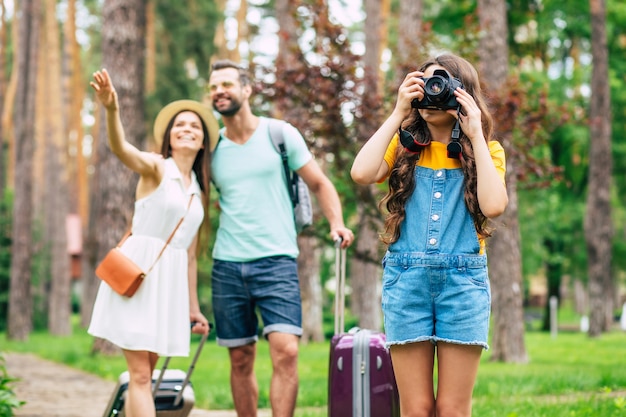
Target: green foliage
(184, 49)
(455, 25)
(6, 217)
(8, 400)
(561, 380)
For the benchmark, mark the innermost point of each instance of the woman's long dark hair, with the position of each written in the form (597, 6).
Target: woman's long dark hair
(402, 179)
(201, 167)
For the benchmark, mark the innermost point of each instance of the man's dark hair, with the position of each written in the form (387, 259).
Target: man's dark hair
(244, 78)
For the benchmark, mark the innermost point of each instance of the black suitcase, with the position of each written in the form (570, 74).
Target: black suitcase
(361, 382)
(172, 390)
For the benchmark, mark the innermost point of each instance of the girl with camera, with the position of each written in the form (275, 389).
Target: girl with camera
(436, 296)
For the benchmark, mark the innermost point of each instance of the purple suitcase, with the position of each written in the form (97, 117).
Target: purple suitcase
(361, 380)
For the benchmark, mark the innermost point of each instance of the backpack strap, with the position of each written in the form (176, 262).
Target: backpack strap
(276, 134)
(278, 140)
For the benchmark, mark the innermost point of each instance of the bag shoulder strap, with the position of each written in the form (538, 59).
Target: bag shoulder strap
(167, 242)
(278, 140)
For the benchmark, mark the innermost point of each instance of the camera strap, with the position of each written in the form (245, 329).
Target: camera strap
(455, 150)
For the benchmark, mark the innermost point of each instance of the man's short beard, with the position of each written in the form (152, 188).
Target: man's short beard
(230, 111)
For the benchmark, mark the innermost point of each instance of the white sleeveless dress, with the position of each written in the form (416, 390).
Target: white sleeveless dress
(156, 318)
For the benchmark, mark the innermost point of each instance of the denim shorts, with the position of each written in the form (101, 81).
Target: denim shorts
(436, 298)
(239, 288)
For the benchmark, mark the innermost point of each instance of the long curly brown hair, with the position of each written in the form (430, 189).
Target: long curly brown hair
(401, 178)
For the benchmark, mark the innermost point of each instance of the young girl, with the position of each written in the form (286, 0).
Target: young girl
(446, 179)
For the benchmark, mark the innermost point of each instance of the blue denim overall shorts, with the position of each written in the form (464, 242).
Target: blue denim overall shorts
(435, 282)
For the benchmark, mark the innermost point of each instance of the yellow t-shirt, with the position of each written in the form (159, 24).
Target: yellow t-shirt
(435, 156)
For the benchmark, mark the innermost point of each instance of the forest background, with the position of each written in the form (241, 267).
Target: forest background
(554, 73)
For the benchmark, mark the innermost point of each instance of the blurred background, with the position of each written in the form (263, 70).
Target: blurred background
(553, 72)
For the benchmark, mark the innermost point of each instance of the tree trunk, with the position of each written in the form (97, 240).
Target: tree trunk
(56, 191)
(504, 252)
(309, 259)
(3, 90)
(242, 30)
(365, 273)
(20, 302)
(311, 289)
(8, 106)
(40, 280)
(288, 47)
(374, 25)
(220, 41)
(74, 93)
(89, 260)
(598, 223)
(151, 48)
(505, 271)
(409, 37)
(123, 48)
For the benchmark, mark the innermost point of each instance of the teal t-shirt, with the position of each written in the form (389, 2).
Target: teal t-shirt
(256, 216)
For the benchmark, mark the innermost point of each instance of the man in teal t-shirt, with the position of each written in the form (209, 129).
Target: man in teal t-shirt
(255, 205)
(254, 257)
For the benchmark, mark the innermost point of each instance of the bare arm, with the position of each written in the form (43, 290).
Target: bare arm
(145, 164)
(201, 324)
(328, 199)
(369, 165)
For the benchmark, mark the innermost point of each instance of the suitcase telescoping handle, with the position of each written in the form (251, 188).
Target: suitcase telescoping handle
(192, 366)
(340, 290)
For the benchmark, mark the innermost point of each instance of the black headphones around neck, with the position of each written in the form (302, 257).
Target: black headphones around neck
(413, 145)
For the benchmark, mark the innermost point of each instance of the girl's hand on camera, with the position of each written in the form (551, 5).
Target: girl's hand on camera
(470, 116)
(411, 88)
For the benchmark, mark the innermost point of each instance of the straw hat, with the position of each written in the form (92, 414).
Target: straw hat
(175, 107)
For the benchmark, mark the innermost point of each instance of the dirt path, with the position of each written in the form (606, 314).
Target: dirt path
(54, 390)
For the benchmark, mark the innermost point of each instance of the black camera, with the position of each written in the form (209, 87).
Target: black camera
(438, 92)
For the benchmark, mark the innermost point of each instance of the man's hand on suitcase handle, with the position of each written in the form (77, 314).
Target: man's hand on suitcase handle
(343, 235)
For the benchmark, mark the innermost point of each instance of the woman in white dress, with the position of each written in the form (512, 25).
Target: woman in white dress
(156, 320)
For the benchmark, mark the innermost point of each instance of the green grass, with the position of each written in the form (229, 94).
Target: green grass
(567, 376)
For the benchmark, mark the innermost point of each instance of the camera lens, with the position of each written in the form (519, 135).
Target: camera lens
(438, 92)
(435, 87)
